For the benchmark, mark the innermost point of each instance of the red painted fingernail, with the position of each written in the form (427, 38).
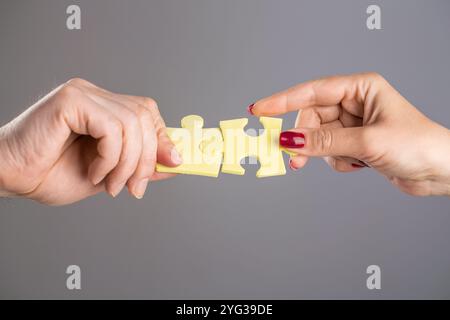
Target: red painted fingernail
(291, 165)
(250, 108)
(290, 139)
(354, 165)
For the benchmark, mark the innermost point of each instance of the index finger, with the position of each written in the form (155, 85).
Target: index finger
(321, 92)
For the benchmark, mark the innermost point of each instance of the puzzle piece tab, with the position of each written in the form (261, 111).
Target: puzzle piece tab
(265, 147)
(201, 149)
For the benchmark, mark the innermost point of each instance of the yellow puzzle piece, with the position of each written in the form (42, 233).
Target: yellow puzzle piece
(265, 147)
(203, 149)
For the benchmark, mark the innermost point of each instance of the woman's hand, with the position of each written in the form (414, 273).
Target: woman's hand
(360, 120)
(80, 140)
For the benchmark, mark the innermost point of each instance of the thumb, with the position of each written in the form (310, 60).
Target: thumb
(323, 142)
(167, 154)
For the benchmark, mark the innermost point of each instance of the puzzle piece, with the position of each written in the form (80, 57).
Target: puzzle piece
(201, 149)
(265, 147)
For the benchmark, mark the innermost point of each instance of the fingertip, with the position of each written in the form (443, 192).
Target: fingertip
(297, 162)
(258, 109)
(292, 165)
(94, 173)
(292, 140)
(250, 109)
(139, 188)
(175, 157)
(169, 156)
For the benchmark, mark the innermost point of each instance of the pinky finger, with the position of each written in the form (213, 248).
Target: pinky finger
(341, 165)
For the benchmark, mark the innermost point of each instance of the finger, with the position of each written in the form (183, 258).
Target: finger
(343, 163)
(159, 140)
(325, 142)
(86, 117)
(131, 143)
(145, 108)
(166, 153)
(162, 176)
(304, 120)
(312, 118)
(297, 162)
(340, 165)
(138, 182)
(351, 90)
(349, 120)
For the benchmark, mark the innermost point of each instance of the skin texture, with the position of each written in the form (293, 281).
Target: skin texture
(80, 140)
(360, 120)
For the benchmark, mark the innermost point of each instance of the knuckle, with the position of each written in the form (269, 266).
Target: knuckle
(143, 112)
(375, 77)
(68, 91)
(104, 149)
(115, 128)
(322, 140)
(368, 144)
(77, 82)
(111, 140)
(149, 103)
(130, 119)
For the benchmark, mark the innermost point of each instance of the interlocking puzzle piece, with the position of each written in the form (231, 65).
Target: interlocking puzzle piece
(201, 149)
(265, 147)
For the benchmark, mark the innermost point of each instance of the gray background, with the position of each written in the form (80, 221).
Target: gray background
(309, 234)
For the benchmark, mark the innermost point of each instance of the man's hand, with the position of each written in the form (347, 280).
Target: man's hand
(80, 140)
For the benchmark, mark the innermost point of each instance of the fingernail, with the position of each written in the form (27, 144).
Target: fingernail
(97, 180)
(290, 139)
(140, 188)
(115, 190)
(175, 156)
(363, 164)
(360, 164)
(250, 109)
(291, 165)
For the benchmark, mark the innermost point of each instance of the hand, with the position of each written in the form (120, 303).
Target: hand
(360, 120)
(80, 140)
